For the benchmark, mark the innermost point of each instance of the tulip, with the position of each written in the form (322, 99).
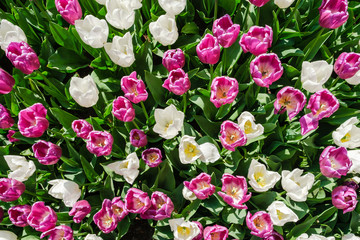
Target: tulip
(347, 135)
(223, 90)
(92, 31)
(120, 50)
(283, 3)
(184, 229)
(82, 128)
(260, 224)
(46, 152)
(161, 207)
(234, 191)
(1, 214)
(347, 65)
(261, 180)
(225, 31)
(134, 89)
(354, 156)
(18, 215)
(351, 184)
(123, 109)
(266, 69)
(201, 186)
(173, 7)
(10, 136)
(169, 121)
(42, 217)
(173, 59)
(274, 236)
(84, 91)
(93, 236)
(32, 121)
(258, 3)
(10, 33)
(344, 198)
(178, 82)
(70, 10)
(100, 143)
(61, 232)
(189, 150)
(188, 195)
(128, 168)
(297, 186)
(290, 100)
(118, 209)
(7, 82)
(10, 189)
(231, 135)
(138, 138)
(6, 121)
(164, 30)
(315, 74)
(257, 40)
(334, 162)
(66, 190)
(137, 201)
(102, 2)
(152, 157)
(21, 169)
(80, 210)
(105, 219)
(280, 214)
(333, 13)
(209, 153)
(201, 228)
(23, 57)
(120, 14)
(350, 236)
(216, 232)
(246, 122)
(7, 235)
(208, 50)
(355, 80)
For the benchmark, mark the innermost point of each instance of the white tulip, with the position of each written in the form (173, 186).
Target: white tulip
(304, 236)
(119, 14)
(173, 7)
(297, 186)
(164, 30)
(121, 50)
(246, 122)
(210, 153)
(10, 33)
(128, 168)
(84, 91)
(66, 190)
(92, 31)
(188, 195)
(281, 214)
(355, 80)
(169, 121)
(354, 156)
(350, 236)
(347, 134)
(315, 74)
(133, 4)
(102, 2)
(189, 150)
(283, 3)
(261, 179)
(7, 235)
(20, 167)
(92, 237)
(183, 230)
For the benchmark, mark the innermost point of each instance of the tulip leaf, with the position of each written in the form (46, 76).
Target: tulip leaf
(89, 171)
(63, 37)
(64, 118)
(67, 60)
(302, 227)
(155, 86)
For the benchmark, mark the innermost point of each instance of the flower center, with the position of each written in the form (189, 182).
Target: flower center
(259, 223)
(259, 178)
(248, 127)
(183, 230)
(191, 150)
(279, 214)
(168, 124)
(346, 138)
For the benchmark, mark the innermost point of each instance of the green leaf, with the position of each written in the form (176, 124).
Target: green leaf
(64, 118)
(313, 47)
(302, 227)
(190, 28)
(155, 86)
(213, 205)
(165, 178)
(63, 37)
(233, 215)
(89, 171)
(191, 209)
(67, 60)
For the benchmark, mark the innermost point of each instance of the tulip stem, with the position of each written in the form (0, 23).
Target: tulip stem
(184, 100)
(257, 16)
(334, 82)
(215, 9)
(318, 176)
(144, 110)
(137, 126)
(291, 17)
(211, 76)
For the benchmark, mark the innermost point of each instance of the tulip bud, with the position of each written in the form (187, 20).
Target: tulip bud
(178, 82)
(18, 215)
(70, 10)
(333, 13)
(152, 157)
(260, 224)
(173, 7)
(6, 121)
(201, 186)
(266, 69)
(164, 30)
(137, 201)
(82, 128)
(10, 136)
(62, 232)
(123, 109)
(46, 152)
(257, 40)
(259, 3)
(334, 162)
(347, 65)
(290, 100)
(10, 189)
(84, 91)
(7, 82)
(120, 14)
(23, 57)
(138, 138)
(120, 50)
(208, 50)
(42, 217)
(32, 121)
(216, 232)
(92, 31)
(344, 198)
(80, 210)
(231, 135)
(173, 59)
(223, 90)
(10, 33)
(161, 207)
(100, 143)
(134, 89)
(225, 31)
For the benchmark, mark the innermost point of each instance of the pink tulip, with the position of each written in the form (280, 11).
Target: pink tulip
(274, 236)
(10, 189)
(1, 214)
(7, 82)
(257, 40)
(291, 100)
(260, 224)
(70, 10)
(105, 219)
(123, 109)
(178, 82)
(333, 13)
(100, 143)
(6, 121)
(18, 215)
(225, 31)
(201, 186)
(173, 59)
(208, 50)
(32, 121)
(152, 157)
(259, 3)
(134, 89)
(351, 184)
(223, 91)
(118, 209)
(41, 217)
(334, 162)
(61, 232)
(231, 135)
(344, 197)
(23, 57)
(216, 232)
(46, 152)
(10, 136)
(82, 128)
(266, 69)
(138, 138)
(347, 65)
(201, 228)
(161, 207)
(234, 191)
(137, 201)
(80, 210)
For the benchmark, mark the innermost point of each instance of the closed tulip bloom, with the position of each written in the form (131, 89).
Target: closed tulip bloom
(42, 217)
(92, 31)
(164, 30)
(260, 224)
(231, 135)
(247, 123)
(10, 33)
(82, 128)
(210, 153)
(257, 40)
(7, 235)
(80, 210)
(225, 31)
(7, 82)
(223, 90)
(315, 74)
(128, 168)
(344, 198)
(120, 14)
(10, 189)
(280, 214)
(334, 162)
(32, 121)
(134, 89)
(152, 157)
(84, 91)
(70, 10)
(61, 232)
(121, 50)
(333, 13)
(260, 179)
(296, 186)
(6, 121)
(138, 138)
(161, 207)
(173, 7)
(118, 209)
(290, 100)
(283, 3)
(347, 65)
(208, 50)
(123, 109)
(173, 59)
(137, 201)
(259, 3)
(178, 82)
(66, 190)
(216, 232)
(105, 219)
(10, 136)
(234, 191)
(100, 143)
(266, 69)
(201, 186)
(46, 152)
(21, 169)
(23, 57)
(184, 230)
(347, 134)
(169, 121)
(18, 215)
(189, 150)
